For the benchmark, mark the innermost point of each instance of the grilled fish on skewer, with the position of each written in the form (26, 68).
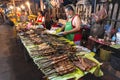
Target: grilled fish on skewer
(54, 58)
(53, 62)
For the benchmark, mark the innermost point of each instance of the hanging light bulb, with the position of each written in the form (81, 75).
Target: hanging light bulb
(28, 4)
(11, 7)
(18, 8)
(22, 6)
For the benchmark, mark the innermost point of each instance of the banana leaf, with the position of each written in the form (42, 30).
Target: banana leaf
(79, 73)
(66, 40)
(116, 46)
(76, 73)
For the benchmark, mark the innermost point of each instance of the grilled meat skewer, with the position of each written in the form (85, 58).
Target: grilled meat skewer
(53, 62)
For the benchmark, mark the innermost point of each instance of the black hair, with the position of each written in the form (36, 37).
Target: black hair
(68, 7)
(41, 13)
(23, 10)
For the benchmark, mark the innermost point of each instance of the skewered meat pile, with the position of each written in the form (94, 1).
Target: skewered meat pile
(47, 62)
(69, 48)
(36, 40)
(64, 67)
(51, 48)
(59, 64)
(30, 32)
(47, 52)
(27, 33)
(51, 45)
(39, 30)
(32, 35)
(43, 46)
(84, 63)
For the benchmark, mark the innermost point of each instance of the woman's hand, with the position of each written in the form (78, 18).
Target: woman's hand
(65, 33)
(62, 33)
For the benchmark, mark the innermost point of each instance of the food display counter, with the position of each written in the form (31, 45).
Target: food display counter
(57, 57)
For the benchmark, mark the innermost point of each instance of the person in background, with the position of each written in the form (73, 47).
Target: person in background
(23, 21)
(72, 27)
(40, 18)
(23, 17)
(2, 16)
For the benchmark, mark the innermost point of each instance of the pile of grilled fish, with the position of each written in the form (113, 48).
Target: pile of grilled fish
(56, 53)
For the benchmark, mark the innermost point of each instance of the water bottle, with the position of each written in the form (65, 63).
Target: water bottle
(94, 49)
(114, 38)
(118, 36)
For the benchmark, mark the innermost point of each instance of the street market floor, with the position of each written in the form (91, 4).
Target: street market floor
(13, 65)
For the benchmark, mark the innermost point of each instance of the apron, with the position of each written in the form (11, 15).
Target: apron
(39, 21)
(76, 37)
(69, 27)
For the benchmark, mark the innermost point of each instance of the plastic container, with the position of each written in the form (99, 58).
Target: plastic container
(118, 38)
(105, 55)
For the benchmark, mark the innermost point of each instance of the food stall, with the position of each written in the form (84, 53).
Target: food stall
(57, 57)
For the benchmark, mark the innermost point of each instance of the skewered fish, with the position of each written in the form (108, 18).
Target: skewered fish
(54, 61)
(84, 63)
(64, 67)
(36, 40)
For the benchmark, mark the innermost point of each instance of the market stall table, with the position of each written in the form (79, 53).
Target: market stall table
(108, 45)
(116, 47)
(99, 41)
(77, 73)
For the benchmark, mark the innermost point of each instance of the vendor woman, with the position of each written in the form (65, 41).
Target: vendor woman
(40, 19)
(23, 16)
(72, 27)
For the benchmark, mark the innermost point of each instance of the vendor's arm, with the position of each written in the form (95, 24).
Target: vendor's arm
(63, 22)
(76, 23)
(63, 27)
(36, 20)
(43, 20)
